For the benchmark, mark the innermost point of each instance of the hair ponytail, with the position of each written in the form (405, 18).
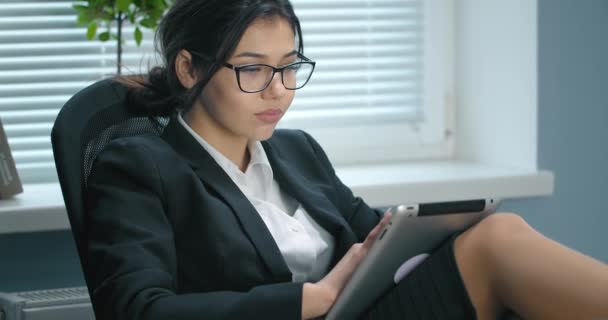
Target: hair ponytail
(151, 93)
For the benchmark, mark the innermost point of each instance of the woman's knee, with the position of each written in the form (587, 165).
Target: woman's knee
(476, 255)
(498, 229)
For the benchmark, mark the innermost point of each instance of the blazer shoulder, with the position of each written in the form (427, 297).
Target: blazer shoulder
(288, 135)
(135, 151)
(291, 141)
(146, 143)
(299, 148)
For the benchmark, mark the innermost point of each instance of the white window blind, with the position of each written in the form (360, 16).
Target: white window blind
(369, 61)
(44, 59)
(370, 88)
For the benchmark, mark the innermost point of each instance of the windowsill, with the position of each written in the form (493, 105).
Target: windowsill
(390, 184)
(41, 208)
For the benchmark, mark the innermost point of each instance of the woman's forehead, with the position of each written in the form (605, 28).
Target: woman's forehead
(267, 37)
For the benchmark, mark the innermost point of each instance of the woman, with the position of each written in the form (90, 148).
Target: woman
(221, 217)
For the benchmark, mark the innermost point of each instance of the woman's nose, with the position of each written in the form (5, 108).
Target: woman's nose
(276, 89)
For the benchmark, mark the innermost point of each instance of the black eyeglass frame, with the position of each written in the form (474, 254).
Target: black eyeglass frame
(237, 69)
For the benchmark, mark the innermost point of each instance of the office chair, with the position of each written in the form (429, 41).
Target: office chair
(85, 125)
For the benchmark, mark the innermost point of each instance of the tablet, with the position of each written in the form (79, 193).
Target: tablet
(412, 233)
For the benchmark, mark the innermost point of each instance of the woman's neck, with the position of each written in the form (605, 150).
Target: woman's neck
(233, 147)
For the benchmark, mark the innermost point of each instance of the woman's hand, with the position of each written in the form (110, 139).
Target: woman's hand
(336, 279)
(319, 297)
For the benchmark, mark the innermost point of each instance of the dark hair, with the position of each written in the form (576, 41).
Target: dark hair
(212, 29)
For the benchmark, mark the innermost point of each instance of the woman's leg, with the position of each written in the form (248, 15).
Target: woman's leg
(505, 263)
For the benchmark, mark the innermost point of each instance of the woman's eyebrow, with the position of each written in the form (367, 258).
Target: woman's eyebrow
(261, 55)
(292, 53)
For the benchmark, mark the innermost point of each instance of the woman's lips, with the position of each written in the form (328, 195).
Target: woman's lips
(270, 115)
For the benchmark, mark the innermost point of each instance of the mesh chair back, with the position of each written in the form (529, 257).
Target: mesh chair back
(86, 123)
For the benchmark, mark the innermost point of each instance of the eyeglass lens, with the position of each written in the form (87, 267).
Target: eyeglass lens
(257, 77)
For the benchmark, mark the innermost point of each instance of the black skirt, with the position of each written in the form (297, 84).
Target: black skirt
(433, 290)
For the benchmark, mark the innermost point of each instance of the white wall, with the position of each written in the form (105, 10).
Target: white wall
(496, 82)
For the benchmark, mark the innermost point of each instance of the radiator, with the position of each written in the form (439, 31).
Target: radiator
(56, 304)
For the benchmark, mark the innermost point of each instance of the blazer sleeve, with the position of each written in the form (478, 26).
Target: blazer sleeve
(357, 213)
(131, 262)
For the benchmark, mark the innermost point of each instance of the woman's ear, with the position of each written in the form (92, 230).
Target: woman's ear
(184, 69)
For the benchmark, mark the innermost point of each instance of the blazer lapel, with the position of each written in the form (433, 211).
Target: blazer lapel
(315, 203)
(214, 176)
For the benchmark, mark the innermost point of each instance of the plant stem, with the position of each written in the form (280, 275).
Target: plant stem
(119, 44)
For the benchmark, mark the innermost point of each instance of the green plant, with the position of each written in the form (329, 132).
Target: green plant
(110, 14)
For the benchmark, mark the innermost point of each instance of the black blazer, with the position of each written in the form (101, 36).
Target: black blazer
(170, 236)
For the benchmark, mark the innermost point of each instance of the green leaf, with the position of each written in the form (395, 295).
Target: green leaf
(157, 5)
(85, 15)
(92, 30)
(80, 8)
(156, 14)
(83, 20)
(107, 16)
(138, 36)
(148, 23)
(123, 5)
(104, 36)
(108, 13)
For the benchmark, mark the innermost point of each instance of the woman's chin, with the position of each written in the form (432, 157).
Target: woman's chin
(264, 133)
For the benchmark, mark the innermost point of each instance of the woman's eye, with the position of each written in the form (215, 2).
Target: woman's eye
(293, 67)
(251, 69)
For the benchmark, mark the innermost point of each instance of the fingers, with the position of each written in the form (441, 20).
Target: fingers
(376, 230)
(371, 237)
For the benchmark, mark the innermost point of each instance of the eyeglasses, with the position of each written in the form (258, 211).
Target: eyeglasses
(253, 78)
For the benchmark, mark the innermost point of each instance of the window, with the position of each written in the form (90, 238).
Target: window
(381, 90)
(495, 61)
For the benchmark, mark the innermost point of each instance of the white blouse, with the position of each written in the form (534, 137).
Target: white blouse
(306, 247)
